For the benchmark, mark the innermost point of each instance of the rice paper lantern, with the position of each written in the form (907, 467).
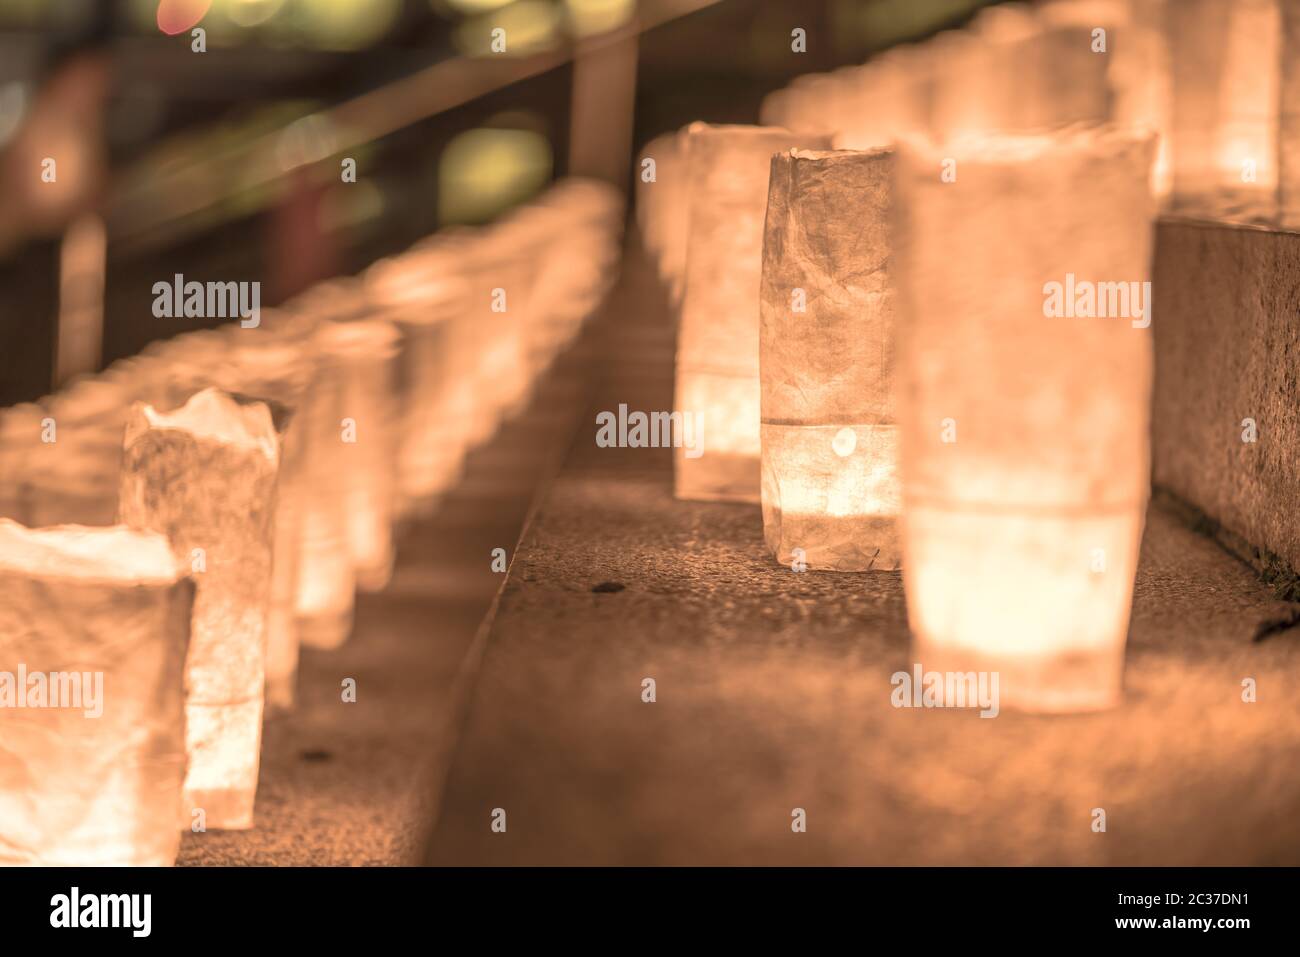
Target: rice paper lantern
(424, 296)
(717, 347)
(1141, 83)
(323, 605)
(361, 354)
(488, 345)
(661, 209)
(205, 476)
(78, 467)
(500, 277)
(1225, 56)
(1289, 117)
(830, 486)
(20, 440)
(278, 372)
(91, 770)
(893, 99)
(1011, 73)
(1025, 424)
(592, 263)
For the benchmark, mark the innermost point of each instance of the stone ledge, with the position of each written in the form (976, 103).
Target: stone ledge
(773, 693)
(1227, 342)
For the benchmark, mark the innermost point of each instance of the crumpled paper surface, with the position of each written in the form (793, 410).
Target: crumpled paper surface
(218, 495)
(830, 483)
(81, 791)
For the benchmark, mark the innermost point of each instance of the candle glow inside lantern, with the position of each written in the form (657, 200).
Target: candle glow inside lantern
(205, 477)
(78, 468)
(892, 99)
(499, 278)
(20, 438)
(423, 294)
(830, 484)
(1013, 72)
(1026, 365)
(92, 755)
(661, 209)
(1225, 56)
(361, 354)
(271, 369)
(717, 348)
(323, 605)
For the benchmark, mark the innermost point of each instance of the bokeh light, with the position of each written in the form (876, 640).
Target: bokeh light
(587, 17)
(530, 26)
(178, 16)
(484, 172)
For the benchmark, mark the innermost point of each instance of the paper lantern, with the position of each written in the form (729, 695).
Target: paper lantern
(1226, 73)
(717, 347)
(1140, 78)
(205, 476)
(892, 100)
(361, 354)
(423, 295)
(95, 624)
(593, 261)
(323, 606)
(279, 372)
(1289, 117)
(499, 285)
(78, 468)
(1013, 73)
(1025, 362)
(830, 441)
(20, 430)
(661, 209)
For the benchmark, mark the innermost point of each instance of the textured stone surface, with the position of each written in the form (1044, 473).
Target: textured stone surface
(773, 692)
(1227, 341)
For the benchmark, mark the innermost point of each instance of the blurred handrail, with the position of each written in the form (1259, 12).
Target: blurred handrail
(147, 198)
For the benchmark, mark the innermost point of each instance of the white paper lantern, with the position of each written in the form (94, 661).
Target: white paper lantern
(361, 353)
(1225, 56)
(1025, 407)
(95, 622)
(717, 347)
(205, 477)
(830, 486)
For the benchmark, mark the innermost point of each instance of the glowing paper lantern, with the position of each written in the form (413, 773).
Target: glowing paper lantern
(20, 430)
(830, 481)
(326, 579)
(1140, 77)
(717, 347)
(1024, 417)
(1225, 57)
(423, 296)
(662, 211)
(593, 259)
(1289, 117)
(500, 286)
(361, 353)
(92, 755)
(78, 468)
(278, 372)
(1012, 73)
(205, 477)
(892, 100)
